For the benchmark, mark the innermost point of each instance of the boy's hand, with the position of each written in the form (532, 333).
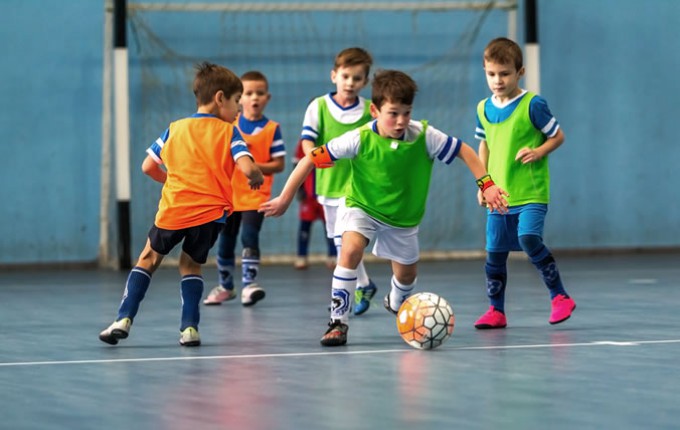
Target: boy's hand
(480, 198)
(274, 207)
(527, 155)
(495, 199)
(255, 180)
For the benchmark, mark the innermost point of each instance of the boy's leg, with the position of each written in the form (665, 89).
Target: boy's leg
(197, 243)
(136, 286)
(365, 289)
(344, 281)
(304, 233)
(530, 235)
(496, 279)
(403, 283)
(226, 262)
(500, 231)
(562, 305)
(250, 262)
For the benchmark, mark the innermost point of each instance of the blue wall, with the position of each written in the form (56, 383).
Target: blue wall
(608, 72)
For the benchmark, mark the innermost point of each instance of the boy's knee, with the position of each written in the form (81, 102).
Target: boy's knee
(405, 278)
(530, 243)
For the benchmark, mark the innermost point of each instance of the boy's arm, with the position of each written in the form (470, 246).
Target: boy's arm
(153, 169)
(252, 172)
(528, 155)
(278, 205)
(275, 165)
(483, 152)
(493, 195)
(307, 146)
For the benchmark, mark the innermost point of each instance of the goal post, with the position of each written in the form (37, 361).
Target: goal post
(294, 43)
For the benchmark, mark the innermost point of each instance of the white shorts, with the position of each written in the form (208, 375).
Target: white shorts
(330, 210)
(393, 243)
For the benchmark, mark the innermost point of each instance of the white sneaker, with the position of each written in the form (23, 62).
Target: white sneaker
(218, 295)
(190, 337)
(118, 330)
(251, 294)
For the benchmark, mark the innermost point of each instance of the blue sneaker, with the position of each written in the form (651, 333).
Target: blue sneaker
(363, 296)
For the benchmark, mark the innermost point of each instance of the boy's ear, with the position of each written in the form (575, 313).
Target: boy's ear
(521, 72)
(219, 97)
(374, 110)
(333, 74)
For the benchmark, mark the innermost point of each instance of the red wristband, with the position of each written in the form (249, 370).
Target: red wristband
(485, 182)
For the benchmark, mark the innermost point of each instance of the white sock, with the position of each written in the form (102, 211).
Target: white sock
(344, 281)
(362, 276)
(400, 292)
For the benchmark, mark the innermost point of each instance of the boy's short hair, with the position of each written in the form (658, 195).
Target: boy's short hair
(211, 78)
(393, 86)
(255, 75)
(504, 51)
(354, 57)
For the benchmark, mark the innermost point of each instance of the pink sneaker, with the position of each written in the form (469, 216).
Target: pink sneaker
(561, 309)
(491, 319)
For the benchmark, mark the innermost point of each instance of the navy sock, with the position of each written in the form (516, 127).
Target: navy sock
(544, 262)
(191, 290)
(496, 279)
(225, 270)
(135, 288)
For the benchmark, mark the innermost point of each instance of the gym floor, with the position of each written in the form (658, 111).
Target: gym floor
(611, 366)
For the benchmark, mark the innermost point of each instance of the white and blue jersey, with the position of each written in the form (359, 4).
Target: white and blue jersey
(278, 148)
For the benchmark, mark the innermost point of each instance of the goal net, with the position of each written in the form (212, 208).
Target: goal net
(294, 44)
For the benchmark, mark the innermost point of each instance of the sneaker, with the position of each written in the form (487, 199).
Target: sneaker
(561, 308)
(118, 330)
(336, 335)
(251, 294)
(363, 296)
(218, 295)
(301, 263)
(491, 319)
(190, 337)
(386, 303)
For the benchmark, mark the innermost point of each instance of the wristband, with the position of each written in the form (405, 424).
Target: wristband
(485, 182)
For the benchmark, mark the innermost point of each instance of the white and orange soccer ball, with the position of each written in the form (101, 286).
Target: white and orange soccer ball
(425, 320)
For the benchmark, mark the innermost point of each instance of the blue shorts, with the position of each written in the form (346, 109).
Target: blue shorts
(503, 231)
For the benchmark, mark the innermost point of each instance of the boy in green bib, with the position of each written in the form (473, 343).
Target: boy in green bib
(391, 159)
(517, 132)
(327, 117)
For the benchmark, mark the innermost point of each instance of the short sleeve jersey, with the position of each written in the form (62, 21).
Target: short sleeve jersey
(199, 154)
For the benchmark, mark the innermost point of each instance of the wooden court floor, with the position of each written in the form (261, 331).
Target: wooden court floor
(613, 365)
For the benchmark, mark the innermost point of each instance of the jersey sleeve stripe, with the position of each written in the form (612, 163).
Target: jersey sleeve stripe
(450, 150)
(153, 155)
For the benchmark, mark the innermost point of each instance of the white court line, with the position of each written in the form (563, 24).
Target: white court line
(313, 354)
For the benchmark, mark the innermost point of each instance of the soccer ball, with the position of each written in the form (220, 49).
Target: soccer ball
(425, 320)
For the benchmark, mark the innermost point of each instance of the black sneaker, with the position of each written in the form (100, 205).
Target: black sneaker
(386, 303)
(336, 335)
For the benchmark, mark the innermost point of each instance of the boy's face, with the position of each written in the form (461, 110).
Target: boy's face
(227, 107)
(503, 79)
(393, 118)
(349, 81)
(254, 99)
